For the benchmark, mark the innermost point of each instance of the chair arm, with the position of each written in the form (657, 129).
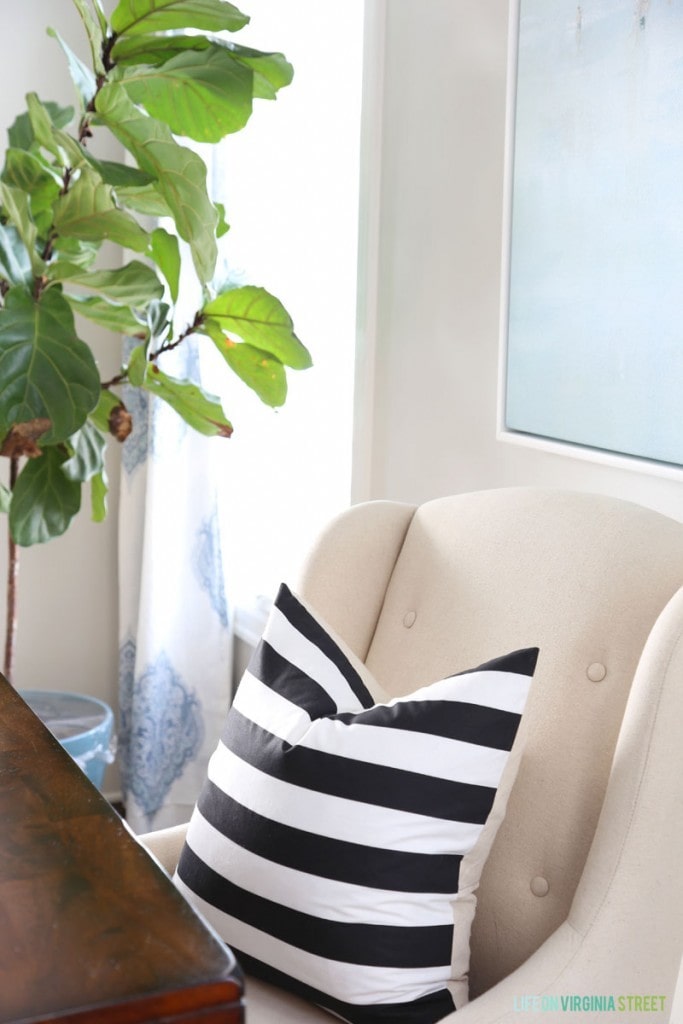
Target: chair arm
(537, 977)
(546, 988)
(165, 845)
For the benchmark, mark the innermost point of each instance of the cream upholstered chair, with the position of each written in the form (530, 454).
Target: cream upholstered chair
(583, 891)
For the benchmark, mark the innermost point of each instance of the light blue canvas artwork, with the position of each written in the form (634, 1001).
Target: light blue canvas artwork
(595, 318)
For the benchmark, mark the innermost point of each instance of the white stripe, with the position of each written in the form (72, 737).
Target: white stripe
(321, 897)
(493, 689)
(434, 756)
(350, 821)
(352, 983)
(270, 710)
(289, 642)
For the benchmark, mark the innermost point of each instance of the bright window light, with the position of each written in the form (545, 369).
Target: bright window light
(289, 183)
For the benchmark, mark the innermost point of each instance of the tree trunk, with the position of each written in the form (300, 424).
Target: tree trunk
(12, 583)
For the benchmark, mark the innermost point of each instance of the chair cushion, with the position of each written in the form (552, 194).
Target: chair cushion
(268, 1004)
(327, 842)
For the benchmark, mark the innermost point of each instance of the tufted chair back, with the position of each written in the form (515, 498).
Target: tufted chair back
(421, 592)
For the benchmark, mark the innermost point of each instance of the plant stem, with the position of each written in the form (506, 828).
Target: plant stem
(12, 583)
(168, 346)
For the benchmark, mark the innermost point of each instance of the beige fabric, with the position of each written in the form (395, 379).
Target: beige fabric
(166, 845)
(624, 933)
(584, 577)
(346, 574)
(269, 1005)
(471, 868)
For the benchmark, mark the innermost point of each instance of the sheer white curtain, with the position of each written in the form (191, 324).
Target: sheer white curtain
(175, 628)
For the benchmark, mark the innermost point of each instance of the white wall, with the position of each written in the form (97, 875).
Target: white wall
(67, 589)
(431, 428)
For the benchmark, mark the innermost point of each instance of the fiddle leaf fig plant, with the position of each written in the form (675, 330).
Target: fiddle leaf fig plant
(160, 72)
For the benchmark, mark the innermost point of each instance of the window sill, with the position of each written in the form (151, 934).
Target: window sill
(250, 619)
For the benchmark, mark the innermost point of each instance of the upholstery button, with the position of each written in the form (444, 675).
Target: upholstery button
(539, 886)
(409, 619)
(596, 672)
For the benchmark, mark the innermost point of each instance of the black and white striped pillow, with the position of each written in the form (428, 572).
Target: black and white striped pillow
(326, 844)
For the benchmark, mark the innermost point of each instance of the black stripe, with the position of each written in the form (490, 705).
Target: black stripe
(522, 663)
(370, 945)
(290, 682)
(355, 863)
(308, 626)
(453, 720)
(346, 777)
(426, 1010)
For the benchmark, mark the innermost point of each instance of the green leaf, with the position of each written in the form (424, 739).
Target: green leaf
(222, 227)
(119, 319)
(88, 212)
(146, 200)
(147, 49)
(44, 501)
(259, 371)
(41, 124)
(135, 17)
(137, 366)
(263, 373)
(87, 454)
(21, 134)
(5, 498)
(260, 320)
(166, 255)
(200, 410)
(204, 95)
(99, 488)
(120, 175)
(79, 255)
(61, 270)
(15, 265)
(16, 206)
(158, 319)
(71, 153)
(135, 284)
(29, 174)
(81, 75)
(203, 412)
(101, 16)
(95, 27)
(45, 369)
(272, 71)
(180, 173)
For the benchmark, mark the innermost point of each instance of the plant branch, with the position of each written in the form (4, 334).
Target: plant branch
(168, 346)
(107, 47)
(84, 129)
(12, 585)
(120, 378)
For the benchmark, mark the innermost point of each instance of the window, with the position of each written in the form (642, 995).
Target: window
(290, 184)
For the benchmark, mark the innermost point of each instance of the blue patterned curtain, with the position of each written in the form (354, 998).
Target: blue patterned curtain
(175, 636)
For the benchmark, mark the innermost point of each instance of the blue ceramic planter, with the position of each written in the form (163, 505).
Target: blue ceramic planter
(83, 725)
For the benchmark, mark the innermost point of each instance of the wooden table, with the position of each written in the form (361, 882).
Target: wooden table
(91, 929)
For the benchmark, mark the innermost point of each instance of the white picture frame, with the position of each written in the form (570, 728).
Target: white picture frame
(591, 353)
